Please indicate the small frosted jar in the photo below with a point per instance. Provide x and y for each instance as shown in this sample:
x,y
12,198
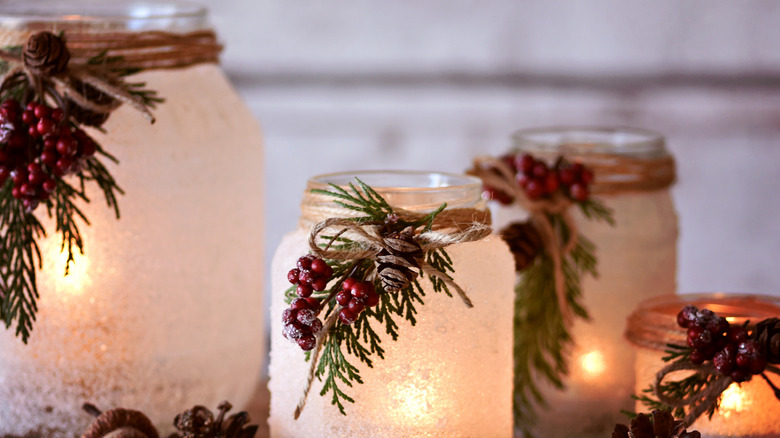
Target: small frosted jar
x,y
747,410
450,375
164,310
636,259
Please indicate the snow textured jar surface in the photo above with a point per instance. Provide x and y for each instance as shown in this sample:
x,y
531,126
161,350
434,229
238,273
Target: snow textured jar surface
x,y
450,375
637,258
164,310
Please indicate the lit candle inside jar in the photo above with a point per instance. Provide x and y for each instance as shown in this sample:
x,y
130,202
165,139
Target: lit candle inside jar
x,y
747,410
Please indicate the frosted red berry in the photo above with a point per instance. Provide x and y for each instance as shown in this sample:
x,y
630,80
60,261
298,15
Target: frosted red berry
x,y
355,305
303,290
347,316
292,276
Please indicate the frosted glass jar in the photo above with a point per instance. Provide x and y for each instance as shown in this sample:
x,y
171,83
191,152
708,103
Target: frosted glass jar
x,y
448,376
165,310
637,259
749,410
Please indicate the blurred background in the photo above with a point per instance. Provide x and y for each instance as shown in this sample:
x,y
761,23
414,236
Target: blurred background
x,y
345,85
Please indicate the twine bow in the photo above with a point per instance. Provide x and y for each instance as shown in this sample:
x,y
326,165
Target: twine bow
x,y
459,225
496,173
706,398
45,63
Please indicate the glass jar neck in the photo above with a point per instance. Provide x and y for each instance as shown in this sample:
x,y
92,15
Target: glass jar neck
x,y
584,141
408,190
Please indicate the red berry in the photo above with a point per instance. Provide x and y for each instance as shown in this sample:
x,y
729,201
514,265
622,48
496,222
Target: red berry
x,y
362,289
534,189
3,156
686,316
42,110
347,316
304,262
586,176
348,283
299,304
738,335
343,298
305,276
319,266
30,204
699,338
522,180
31,106
697,358
32,131
525,163
579,192
19,176
356,305
725,360
37,177
88,147
497,195
577,168
28,117
292,276
16,192
739,376
45,126
319,284
718,325
510,161
313,303
303,290
27,189
67,146
551,183
540,170
316,326
306,317
288,316
567,176
58,115
372,300
49,158
307,342
750,358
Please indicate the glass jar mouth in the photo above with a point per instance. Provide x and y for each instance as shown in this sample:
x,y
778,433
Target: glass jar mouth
x,y
132,15
586,140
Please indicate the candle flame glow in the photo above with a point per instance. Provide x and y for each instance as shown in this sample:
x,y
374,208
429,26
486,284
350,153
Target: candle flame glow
x,y
593,363
78,274
732,401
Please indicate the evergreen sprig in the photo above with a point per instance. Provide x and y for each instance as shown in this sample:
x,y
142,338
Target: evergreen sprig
x,y
345,346
541,335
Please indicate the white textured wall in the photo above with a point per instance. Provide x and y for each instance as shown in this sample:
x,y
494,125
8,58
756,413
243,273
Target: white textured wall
x,y
342,85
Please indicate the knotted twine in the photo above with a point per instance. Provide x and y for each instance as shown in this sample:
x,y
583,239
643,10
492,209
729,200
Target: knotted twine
x,y
706,398
451,226
496,173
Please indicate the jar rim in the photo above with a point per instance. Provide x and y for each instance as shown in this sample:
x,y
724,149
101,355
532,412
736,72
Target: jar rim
x,y
574,139
130,14
400,180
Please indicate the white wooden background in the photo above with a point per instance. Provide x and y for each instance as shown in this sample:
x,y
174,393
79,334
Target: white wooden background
x,y
345,85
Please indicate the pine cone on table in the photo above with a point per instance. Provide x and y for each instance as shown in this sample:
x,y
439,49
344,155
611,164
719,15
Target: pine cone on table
x,y
199,422
768,337
395,263
663,425
524,243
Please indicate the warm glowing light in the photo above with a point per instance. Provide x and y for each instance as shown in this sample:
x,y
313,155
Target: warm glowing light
x,y
733,400
414,403
78,274
593,363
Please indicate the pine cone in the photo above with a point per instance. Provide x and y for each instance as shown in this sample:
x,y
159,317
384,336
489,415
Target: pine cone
x,y
394,264
524,242
119,423
199,422
85,116
662,426
46,54
768,337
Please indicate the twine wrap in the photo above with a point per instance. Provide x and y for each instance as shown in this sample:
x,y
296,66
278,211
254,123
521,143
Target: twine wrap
x,y
496,173
452,226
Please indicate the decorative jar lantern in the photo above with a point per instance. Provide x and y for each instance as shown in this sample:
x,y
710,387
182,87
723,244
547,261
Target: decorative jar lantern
x,y
163,310
445,366
748,409
573,196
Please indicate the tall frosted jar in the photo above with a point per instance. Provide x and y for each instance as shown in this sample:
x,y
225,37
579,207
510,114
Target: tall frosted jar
x,y
450,375
637,258
164,310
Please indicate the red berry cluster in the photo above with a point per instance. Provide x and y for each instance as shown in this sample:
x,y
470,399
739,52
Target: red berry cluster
x,y
38,147
301,322
355,296
539,180
732,351
312,274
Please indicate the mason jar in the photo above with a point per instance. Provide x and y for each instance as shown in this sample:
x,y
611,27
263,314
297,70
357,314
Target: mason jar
x,y
637,259
450,375
749,409
164,309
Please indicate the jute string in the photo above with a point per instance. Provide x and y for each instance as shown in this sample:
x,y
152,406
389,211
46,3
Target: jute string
x,y
451,227
703,400
496,173
146,50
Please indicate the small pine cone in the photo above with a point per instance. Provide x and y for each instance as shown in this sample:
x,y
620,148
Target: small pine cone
x,y
119,423
524,242
46,54
199,422
662,426
396,262
86,116
768,337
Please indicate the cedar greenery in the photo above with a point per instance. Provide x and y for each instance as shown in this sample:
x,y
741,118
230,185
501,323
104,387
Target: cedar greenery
x,y
344,344
20,255
541,336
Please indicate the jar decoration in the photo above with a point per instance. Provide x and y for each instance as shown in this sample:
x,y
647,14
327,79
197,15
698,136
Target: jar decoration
x,y
711,360
372,338
572,197
160,308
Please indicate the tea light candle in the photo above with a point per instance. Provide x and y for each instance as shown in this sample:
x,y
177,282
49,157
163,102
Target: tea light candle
x,y
747,410
450,375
